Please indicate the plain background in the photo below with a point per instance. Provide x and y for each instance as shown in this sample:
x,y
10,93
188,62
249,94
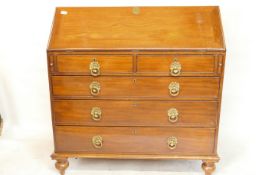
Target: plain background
x,y
26,142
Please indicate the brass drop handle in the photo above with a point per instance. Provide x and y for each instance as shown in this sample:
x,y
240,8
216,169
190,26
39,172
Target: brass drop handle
x,y
175,68
172,115
172,142
94,68
96,113
97,142
174,88
94,88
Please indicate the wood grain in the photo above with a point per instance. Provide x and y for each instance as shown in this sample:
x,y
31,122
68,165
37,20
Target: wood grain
x,y
209,166
109,64
210,157
118,28
192,65
148,87
143,140
135,52
135,113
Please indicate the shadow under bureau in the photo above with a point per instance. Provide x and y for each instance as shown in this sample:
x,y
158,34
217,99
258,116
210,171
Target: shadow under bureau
x,y
136,83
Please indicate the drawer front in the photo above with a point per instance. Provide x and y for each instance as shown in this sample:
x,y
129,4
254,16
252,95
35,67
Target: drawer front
x,y
189,65
135,113
107,64
147,87
138,140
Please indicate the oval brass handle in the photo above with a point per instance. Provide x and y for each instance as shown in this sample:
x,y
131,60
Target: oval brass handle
x,y
94,88
172,142
97,141
174,88
96,113
175,68
94,68
172,115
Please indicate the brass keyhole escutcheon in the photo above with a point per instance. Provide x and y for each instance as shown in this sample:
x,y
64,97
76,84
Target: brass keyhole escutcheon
x,y
96,113
172,142
97,142
94,68
134,132
136,10
94,88
174,88
172,115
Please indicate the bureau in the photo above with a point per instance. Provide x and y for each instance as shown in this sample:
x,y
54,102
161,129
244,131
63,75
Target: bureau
x,y
136,83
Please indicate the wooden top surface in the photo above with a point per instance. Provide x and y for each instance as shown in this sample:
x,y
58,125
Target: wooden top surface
x,y
126,28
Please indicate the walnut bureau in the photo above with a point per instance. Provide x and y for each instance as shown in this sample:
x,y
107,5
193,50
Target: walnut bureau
x,y
136,83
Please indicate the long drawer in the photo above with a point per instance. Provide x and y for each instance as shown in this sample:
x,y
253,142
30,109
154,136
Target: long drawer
x,y
135,113
147,87
138,140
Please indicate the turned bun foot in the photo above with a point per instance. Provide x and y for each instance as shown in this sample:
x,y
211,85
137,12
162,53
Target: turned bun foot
x,y
61,164
209,167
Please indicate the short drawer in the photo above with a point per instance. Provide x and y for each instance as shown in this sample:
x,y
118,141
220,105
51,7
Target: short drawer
x,y
147,87
177,65
139,140
135,113
94,64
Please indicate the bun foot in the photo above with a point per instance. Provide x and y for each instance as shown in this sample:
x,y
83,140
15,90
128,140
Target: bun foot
x,y
61,164
209,167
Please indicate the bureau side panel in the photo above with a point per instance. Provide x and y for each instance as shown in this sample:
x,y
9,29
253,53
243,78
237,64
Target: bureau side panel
x,y
50,66
222,59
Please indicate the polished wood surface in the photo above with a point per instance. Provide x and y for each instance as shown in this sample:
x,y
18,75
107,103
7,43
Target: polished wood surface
x,y
145,140
135,113
148,87
135,48
145,65
209,166
109,64
192,65
97,28
61,164
214,157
